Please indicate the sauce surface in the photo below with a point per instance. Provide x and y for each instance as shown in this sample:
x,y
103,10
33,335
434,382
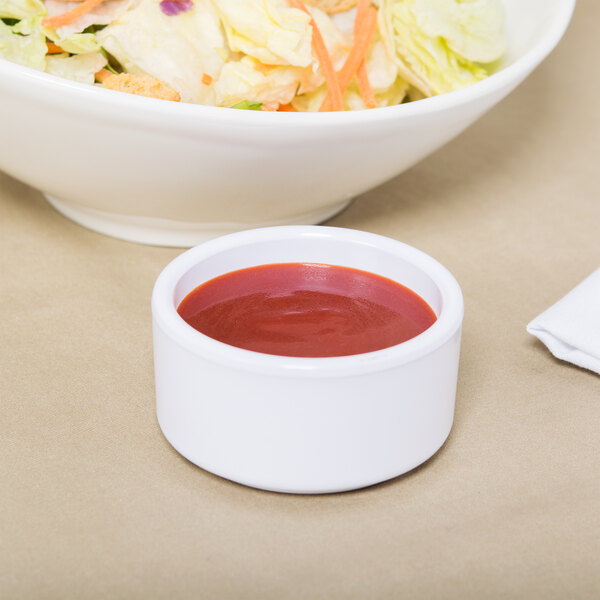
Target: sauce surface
x,y
308,310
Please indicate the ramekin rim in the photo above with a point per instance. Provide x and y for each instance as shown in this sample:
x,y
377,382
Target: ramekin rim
x,y
165,315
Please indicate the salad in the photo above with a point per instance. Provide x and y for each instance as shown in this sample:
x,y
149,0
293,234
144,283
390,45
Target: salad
x,y
287,55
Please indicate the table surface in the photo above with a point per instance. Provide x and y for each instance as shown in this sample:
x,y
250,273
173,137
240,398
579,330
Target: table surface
x,y
96,504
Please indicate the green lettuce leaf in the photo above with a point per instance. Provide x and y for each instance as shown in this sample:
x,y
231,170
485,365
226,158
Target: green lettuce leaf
x,y
27,50
76,43
248,105
79,67
443,45
473,29
21,9
245,80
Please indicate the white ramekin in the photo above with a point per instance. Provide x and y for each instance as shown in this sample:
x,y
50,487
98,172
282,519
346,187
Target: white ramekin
x,y
306,425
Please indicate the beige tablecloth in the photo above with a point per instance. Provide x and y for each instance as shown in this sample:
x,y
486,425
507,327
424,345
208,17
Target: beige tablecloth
x,y
94,503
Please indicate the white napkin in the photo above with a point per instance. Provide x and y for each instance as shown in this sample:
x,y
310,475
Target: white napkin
x,y
571,327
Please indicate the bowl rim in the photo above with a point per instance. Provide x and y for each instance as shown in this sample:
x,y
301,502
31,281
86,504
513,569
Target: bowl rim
x,y
165,315
186,115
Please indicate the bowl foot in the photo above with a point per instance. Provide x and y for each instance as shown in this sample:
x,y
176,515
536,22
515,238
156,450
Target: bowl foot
x,y
167,232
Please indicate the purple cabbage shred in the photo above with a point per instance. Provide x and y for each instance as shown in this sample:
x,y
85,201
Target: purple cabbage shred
x,y
174,7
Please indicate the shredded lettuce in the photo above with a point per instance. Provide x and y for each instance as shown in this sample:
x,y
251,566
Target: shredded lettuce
x,y
79,67
76,43
175,49
247,53
268,30
473,29
28,50
103,14
381,68
246,80
443,45
248,105
21,9
28,26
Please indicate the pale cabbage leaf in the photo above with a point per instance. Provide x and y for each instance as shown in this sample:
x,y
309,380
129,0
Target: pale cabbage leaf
x,y
27,50
247,79
79,67
179,50
21,9
76,43
443,45
269,30
103,14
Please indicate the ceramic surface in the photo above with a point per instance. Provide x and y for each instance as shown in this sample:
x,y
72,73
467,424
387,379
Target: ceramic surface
x,y
306,425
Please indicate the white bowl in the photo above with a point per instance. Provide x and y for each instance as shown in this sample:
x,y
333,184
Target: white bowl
x,y
176,174
306,425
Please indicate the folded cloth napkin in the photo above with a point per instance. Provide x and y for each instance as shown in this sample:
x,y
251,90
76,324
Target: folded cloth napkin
x,y
571,327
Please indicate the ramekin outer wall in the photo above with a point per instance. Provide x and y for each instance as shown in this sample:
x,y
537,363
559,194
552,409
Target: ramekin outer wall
x,y
303,434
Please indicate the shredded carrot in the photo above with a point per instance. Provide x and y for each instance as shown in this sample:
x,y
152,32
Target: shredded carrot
x,y
102,75
365,25
286,108
71,15
364,86
337,101
269,107
206,79
262,68
52,48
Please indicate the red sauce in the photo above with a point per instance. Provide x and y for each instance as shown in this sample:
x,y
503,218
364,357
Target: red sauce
x,y
313,310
